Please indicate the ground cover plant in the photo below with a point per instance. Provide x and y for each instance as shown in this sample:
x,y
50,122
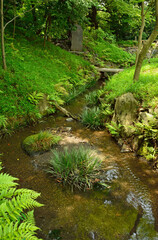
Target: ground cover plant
x,y
101,50
40,142
144,90
77,167
35,73
16,214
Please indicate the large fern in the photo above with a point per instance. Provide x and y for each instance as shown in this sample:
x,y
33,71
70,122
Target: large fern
x,y
16,217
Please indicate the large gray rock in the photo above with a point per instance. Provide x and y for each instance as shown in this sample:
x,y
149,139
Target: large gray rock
x,y
76,39
125,112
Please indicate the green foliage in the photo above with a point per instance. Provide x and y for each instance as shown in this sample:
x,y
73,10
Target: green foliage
x,y
35,97
92,117
106,110
105,51
92,99
40,142
114,128
3,121
34,72
148,135
16,216
77,167
145,90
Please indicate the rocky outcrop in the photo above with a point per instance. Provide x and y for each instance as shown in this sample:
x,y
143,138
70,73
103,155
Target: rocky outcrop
x,y
126,112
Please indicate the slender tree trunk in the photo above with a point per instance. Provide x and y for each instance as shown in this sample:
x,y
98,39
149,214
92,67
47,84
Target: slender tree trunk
x,y
45,32
94,17
14,24
2,38
146,46
140,32
49,26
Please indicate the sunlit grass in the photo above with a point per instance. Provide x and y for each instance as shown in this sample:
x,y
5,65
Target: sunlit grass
x,y
144,89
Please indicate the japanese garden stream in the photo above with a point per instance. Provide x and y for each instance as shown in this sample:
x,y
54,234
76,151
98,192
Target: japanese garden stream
x,y
126,210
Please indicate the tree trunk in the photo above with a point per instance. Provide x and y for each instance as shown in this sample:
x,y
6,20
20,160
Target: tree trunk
x,y
146,46
2,38
14,24
45,32
94,17
140,32
49,27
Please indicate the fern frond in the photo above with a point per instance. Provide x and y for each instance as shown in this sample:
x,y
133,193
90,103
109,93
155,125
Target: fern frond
x,y
14,231
15,222
7,181
6,193
11,209
30,217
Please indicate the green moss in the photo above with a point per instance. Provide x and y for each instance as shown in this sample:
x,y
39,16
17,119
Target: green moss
x,y
40,142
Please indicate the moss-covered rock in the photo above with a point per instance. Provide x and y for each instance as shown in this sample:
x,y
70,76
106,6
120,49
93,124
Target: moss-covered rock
x,y
40,142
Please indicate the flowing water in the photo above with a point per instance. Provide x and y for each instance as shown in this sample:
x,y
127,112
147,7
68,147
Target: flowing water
x,y
126,210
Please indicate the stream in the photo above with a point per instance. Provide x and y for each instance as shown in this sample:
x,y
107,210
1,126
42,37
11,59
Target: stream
x,y
128,209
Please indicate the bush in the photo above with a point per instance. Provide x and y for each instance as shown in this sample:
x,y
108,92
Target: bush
x,y
77,167
92,118
16,217
40,142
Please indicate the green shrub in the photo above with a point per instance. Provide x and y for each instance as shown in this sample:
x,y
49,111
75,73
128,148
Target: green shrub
x,y
115,129
92,117
77,167
16,217
40,142
148,136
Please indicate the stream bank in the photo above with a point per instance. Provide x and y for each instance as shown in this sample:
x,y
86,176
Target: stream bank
x,y
101,214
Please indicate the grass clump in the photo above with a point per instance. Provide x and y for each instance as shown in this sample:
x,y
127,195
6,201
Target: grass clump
x,y
40,142
92,117
92,99
77,167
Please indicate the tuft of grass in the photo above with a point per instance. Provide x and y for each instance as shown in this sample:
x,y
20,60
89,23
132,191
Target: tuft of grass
x,y
92,117
77,167
40,142
92,99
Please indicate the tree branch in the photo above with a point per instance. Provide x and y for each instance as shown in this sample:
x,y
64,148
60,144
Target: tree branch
x,y
17,17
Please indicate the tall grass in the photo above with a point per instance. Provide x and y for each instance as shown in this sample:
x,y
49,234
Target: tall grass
x,y
92,117
77,167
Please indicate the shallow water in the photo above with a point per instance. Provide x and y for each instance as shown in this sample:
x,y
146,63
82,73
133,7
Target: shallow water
x,y
127,210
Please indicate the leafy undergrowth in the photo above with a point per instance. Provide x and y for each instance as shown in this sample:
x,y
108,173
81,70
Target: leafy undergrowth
x,y
101,51
35,73
145,90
